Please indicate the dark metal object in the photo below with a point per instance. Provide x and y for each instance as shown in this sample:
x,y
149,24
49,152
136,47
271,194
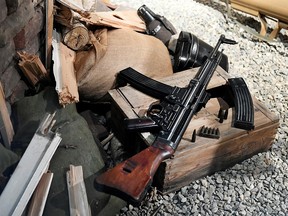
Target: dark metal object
x,y
193,136
156,25
244,109
222,115
192,52
209,132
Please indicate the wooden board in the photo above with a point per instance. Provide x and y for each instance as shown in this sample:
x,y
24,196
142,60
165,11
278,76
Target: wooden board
x,y
38,200
6,127
48,32
194,160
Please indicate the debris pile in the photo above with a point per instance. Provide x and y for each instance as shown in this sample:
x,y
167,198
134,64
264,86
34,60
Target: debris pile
x,y
59,137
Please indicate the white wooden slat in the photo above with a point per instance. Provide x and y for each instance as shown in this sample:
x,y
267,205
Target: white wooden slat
x,y
29,170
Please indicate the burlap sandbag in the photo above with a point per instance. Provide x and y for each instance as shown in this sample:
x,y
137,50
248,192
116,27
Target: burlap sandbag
x,y
113,51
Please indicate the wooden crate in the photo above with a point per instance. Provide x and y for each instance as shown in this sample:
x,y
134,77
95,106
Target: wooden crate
x,y
193,160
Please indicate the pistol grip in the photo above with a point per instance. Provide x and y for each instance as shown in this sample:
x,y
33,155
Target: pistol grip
x,y
244,109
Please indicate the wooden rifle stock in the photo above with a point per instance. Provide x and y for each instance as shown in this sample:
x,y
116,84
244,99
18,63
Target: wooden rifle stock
x,y
134,176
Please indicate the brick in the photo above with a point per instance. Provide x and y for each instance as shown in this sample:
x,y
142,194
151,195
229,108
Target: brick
x,y
33,46
15,22
3,10
10,79
26,37
39,3
20,40
18,92
35,24
6,55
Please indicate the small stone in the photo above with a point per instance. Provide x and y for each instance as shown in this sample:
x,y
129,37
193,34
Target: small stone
x,y
165,197
130,207
247,194
219,179
194,209
214,207
124,209
200,197
269,195
204,182
238,181
184,190
183,200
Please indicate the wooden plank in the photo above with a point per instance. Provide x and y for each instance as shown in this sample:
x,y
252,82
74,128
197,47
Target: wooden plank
x,y
79,6
6,128
193,160
77,193
29,170
127,19
40,195
116,18
64,72
49,30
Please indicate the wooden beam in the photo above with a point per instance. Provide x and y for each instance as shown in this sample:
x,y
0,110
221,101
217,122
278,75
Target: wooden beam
x,y
64,72
77,193
127,19
40,195
76,37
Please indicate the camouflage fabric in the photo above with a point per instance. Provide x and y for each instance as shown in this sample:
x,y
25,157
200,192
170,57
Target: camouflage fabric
x,y
7,158
77,147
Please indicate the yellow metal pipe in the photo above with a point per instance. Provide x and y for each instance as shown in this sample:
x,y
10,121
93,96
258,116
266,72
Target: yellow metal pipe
x,y
261,8
274,8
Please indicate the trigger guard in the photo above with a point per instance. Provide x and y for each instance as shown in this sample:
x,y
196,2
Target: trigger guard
x,y
155,109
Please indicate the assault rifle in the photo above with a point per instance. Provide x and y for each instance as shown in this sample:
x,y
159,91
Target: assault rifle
x,y
171,117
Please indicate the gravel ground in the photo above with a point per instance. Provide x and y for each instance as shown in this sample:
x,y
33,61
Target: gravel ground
x,y
259,185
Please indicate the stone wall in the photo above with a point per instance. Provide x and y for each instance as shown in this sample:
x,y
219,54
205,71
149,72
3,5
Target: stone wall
x,y
21,29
